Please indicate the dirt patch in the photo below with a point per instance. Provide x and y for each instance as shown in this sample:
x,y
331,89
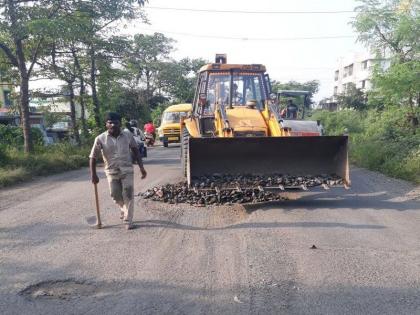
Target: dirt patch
x,y
59,289
191,216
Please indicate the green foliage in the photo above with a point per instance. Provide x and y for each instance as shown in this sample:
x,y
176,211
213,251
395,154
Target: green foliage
x,y
148,65
379,140
179,79
157,113
129,107
352,98
337,123
4,158
391,24
13,136
146,58
17,166
12,176
31,31
126,101
392,27
146,75
398,85
50,118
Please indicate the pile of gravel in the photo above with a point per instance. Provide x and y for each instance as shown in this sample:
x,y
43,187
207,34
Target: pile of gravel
x,y
218,189
181,193
266,181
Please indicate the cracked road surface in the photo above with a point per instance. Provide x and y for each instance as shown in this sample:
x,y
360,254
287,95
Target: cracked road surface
x,y
217,260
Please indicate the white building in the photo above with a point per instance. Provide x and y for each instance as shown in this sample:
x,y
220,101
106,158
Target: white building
x,y
356,68
6,103
56,103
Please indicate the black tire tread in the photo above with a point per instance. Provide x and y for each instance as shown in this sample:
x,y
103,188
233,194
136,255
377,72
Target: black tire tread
x,y
184,150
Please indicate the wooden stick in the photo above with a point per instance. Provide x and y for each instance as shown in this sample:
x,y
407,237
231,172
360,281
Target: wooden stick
x,y
98,215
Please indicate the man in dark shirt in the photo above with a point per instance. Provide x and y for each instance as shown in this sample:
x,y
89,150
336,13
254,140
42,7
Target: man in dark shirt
x,y
291,110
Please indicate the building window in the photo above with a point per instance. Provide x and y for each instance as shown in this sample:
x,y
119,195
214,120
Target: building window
x,y
363,84
7,100
335,90
364,65
336,75
350,70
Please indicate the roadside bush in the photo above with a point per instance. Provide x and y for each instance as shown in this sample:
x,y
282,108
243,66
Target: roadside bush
x,y
11,176
4,158
45,160
335,123
13,136
379,140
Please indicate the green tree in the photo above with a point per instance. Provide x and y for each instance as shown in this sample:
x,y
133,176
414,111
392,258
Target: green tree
x,y
27,26
146,59
390,25
100,15
60,63
392,28
178,79
24,29
353,98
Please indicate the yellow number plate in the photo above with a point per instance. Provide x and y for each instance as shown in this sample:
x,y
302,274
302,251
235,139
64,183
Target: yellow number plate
x,y
173,138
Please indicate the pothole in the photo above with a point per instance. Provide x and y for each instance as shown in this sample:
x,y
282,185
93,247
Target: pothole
x,y
59,289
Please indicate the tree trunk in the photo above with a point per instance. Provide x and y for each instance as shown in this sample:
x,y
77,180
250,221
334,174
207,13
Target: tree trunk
x,y
148,84
82,92
82,107
73,114
20,62
24,97
24,105
412,116
93,84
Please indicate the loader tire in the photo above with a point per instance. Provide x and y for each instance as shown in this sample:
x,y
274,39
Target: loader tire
x,y
184,151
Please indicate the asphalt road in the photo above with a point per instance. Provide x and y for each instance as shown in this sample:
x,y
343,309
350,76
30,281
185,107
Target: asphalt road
x,y
216,260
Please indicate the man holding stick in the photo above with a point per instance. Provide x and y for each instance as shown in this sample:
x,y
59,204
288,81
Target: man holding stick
x,y
116,146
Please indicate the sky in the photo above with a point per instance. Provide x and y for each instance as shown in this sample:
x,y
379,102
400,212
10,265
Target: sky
x,y
288,44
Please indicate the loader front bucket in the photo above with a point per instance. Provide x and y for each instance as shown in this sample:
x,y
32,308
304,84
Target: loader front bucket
x,y
296,156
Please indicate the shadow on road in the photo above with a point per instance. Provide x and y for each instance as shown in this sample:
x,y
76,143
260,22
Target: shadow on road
x,y
255,225
36,234
163,161
346,201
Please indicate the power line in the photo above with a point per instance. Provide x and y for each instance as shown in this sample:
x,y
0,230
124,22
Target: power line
x,y
251,12
252,38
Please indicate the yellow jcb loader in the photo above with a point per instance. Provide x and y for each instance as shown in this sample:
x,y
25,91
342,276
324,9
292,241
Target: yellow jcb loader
x,y
236,128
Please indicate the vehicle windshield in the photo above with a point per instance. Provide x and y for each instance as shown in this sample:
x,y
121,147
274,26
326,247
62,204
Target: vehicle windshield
x,y
173,117
246,87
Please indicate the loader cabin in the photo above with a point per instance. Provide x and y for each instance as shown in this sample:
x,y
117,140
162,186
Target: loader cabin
x,y
298,126
229,86
301,98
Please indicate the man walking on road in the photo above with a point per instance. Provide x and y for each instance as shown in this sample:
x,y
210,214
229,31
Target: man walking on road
x,y
115,146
